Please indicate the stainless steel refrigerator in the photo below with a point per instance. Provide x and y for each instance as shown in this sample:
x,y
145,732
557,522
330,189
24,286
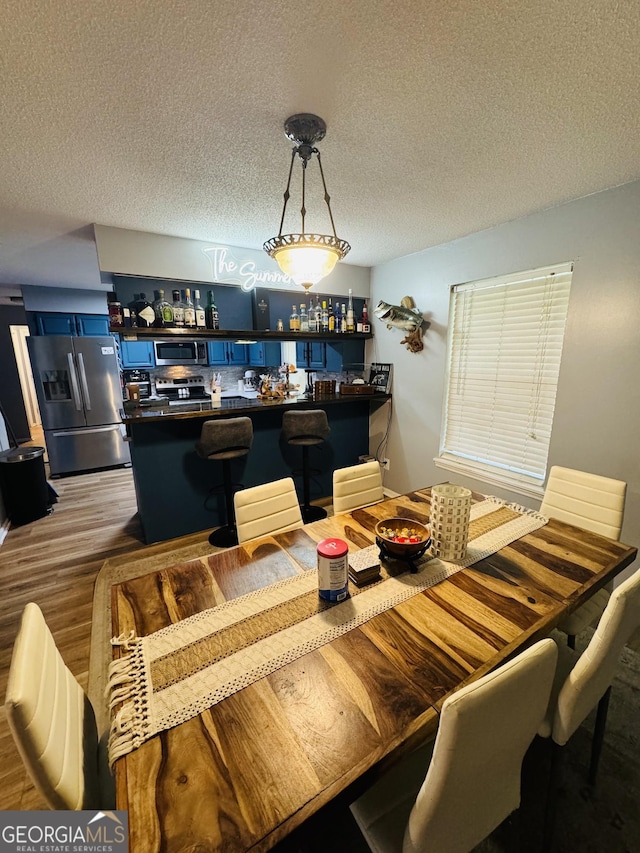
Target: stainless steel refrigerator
x,y
77,381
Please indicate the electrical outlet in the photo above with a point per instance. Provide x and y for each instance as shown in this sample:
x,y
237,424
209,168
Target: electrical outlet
x,y
386,464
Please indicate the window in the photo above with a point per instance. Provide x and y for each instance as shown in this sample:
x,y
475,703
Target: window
x,y
504,349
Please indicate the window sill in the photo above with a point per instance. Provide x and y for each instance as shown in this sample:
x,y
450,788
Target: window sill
x,y
495,477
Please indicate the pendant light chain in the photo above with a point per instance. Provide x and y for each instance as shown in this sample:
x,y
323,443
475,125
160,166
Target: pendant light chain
x,y
306,257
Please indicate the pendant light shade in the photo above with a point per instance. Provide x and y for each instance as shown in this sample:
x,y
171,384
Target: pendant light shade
x,y
306,257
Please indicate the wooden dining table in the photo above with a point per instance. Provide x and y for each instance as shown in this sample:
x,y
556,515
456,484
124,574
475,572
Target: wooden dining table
x,y
246,772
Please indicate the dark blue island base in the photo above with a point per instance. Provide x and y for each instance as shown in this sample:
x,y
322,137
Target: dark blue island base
x,y
174,485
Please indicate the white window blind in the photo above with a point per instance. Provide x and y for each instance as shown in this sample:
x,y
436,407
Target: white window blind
x,y
505,345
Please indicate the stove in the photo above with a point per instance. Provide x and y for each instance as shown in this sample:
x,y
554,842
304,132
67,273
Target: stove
x,y
185,389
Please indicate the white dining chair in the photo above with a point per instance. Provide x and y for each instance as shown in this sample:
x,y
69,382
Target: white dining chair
x,y
583,681
472,783
357,486
53,723
268,508
594,503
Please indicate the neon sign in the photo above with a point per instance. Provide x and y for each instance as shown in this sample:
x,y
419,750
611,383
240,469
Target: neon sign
x,y
228,269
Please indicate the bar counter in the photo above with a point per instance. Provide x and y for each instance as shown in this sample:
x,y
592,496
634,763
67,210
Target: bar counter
x,y
172,482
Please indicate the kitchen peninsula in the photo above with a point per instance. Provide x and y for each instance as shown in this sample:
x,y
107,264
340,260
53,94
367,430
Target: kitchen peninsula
x,y
173,484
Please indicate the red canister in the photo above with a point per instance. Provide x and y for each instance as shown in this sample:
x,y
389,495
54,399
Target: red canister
x,y
333,569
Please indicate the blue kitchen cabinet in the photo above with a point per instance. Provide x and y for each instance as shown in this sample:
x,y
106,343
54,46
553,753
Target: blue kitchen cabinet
x,y
341,354
265,354
55,323
238,353
227,353
137,354
50,323
311,354
92,324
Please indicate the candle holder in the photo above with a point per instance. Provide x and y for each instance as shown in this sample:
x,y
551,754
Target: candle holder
x,y
450,510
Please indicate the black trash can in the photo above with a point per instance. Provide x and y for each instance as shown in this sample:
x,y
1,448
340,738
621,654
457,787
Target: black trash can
x,y
23,484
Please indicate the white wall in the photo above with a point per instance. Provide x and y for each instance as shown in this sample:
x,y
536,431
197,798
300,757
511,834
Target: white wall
x,y
163,256
597,418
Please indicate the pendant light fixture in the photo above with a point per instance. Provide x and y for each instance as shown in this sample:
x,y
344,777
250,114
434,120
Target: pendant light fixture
x,y
306,257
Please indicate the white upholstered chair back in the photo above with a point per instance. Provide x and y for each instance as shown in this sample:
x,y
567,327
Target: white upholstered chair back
x,y
269,508
473,780
52,721
591,675
585,500
594,503
357,486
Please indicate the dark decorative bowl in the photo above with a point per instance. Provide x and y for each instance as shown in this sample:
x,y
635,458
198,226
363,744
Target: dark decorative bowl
x,y
390,527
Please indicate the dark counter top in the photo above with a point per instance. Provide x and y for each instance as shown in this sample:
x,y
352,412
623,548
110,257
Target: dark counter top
x,y
237,406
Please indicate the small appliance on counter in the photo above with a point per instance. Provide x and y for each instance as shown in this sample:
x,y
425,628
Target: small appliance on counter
x,y
141,378
251,381
182,389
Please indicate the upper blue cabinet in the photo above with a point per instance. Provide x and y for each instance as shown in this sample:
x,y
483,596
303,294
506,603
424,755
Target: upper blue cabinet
x,y
226,353
53,323
137,353
265,354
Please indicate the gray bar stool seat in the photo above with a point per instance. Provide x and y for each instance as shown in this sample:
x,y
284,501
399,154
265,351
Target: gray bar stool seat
x,y
221,441
306,428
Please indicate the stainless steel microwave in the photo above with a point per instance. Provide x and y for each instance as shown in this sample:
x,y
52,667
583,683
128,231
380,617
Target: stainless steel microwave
x,y
180,352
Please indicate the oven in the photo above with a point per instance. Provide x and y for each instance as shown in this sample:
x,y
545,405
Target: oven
x,y
181,390
175,352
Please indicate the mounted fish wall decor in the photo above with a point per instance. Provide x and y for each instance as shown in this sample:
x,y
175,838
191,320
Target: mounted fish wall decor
x,y
405,317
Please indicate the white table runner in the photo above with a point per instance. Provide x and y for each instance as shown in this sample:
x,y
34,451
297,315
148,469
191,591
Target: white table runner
x,y
179,671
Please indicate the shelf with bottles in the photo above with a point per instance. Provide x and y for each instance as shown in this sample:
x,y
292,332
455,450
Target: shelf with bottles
x,y
246,335
229,306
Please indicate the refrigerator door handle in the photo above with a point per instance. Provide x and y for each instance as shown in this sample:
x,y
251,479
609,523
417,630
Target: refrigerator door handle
x,y
75,390
83,380
63,433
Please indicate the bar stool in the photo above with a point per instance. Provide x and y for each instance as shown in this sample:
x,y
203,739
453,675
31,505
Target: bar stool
x,y
306,428
221,441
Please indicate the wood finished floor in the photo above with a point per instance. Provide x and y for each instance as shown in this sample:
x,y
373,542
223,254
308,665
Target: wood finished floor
x,y
54,562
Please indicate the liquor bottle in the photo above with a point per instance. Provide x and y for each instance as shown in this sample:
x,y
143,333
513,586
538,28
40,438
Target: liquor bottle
x,y
358,323
178,310
145,315
343,319
132,309
114,309
163,311
331,319
313,316
324,317
200,318
189,310
318,315
351,326
294,320
366,326
211,317
304,318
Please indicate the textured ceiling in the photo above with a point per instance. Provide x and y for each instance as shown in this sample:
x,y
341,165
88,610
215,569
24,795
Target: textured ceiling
x,y
444,118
